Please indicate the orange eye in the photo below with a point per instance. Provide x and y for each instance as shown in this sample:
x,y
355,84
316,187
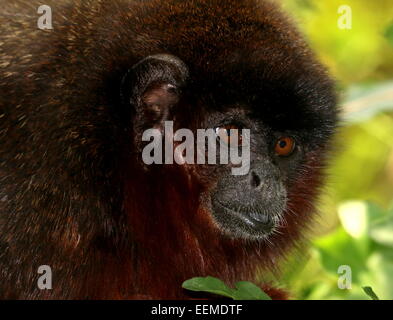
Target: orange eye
x,y
284,146
228,134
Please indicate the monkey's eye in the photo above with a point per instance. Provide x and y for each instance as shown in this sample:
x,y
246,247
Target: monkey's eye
x,y
230,134
284,146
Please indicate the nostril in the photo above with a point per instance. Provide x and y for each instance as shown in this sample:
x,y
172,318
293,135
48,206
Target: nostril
x,y
255,180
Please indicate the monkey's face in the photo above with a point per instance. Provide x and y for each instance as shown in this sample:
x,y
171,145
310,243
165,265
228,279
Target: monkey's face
x,y
251,203
277,133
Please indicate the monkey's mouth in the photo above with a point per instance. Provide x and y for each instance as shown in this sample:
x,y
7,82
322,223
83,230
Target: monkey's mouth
x,y
250,224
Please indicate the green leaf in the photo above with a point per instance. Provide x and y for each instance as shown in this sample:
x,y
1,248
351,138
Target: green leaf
x,y
381,229
369,291
382,232
380,271
339,248
244,290
249,291
208,284
375,212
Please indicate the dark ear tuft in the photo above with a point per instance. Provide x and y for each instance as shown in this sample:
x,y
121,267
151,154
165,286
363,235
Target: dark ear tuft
x,y
153,86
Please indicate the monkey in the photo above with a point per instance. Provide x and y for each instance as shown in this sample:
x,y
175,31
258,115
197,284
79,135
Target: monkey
x,y
75,100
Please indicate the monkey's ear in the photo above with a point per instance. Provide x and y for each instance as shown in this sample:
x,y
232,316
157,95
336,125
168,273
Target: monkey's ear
x,y
153,86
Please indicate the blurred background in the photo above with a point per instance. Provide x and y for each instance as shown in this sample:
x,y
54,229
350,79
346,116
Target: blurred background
x,y
355,225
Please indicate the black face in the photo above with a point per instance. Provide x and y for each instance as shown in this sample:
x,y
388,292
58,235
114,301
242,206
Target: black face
x,y
252,205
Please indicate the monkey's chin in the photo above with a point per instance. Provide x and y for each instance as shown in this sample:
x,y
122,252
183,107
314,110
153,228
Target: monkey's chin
x,y
244,225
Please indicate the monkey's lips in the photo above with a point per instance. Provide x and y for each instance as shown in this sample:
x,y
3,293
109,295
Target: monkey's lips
x,y
244,224
258,220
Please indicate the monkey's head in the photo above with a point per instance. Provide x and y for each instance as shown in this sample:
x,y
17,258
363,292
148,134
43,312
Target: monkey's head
x,y
286,103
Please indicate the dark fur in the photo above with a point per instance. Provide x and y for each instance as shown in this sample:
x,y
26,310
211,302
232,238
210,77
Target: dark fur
x,y
71,193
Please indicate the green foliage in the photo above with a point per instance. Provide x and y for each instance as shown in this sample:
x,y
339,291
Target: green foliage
x,y
353,55
361,241
243,290
357,233
369,291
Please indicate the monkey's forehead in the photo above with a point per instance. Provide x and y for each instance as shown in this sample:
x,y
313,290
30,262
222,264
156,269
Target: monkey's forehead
x,y
244,47
204,31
